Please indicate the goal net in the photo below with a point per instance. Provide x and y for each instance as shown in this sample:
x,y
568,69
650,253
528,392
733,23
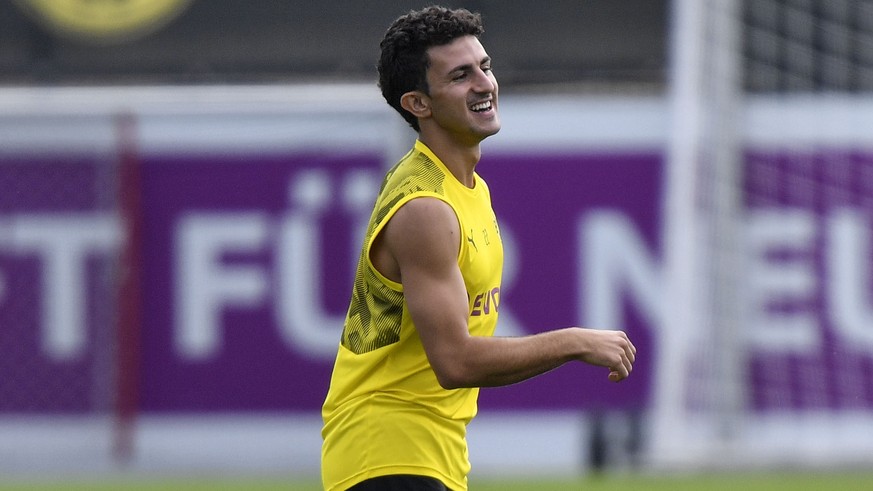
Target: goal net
x,y
766,356
68,292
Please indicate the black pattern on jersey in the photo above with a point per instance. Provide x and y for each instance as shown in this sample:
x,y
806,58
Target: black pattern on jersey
x,y
376,311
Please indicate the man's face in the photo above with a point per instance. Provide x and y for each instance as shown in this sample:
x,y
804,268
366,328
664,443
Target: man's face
x,y
463,90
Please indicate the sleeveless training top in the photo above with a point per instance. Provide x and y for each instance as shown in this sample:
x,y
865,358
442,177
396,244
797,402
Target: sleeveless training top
x,y
385,413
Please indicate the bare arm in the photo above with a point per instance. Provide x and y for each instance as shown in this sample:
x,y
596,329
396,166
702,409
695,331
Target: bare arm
x,y
419,248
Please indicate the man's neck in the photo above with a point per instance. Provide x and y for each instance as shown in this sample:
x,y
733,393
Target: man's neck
x,y
461,160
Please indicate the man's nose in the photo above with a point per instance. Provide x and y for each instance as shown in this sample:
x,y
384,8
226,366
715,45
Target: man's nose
x,y
484,82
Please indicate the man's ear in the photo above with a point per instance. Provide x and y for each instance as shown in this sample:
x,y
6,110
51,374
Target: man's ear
x,y
417,103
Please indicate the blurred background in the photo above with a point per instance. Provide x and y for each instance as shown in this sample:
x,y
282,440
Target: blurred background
x,y
183,186
237,42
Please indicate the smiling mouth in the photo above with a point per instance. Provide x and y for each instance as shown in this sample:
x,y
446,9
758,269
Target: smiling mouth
x,y
481,107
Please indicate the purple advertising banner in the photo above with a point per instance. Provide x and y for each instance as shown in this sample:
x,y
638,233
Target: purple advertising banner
x,y
545,204
248,275
239,337
808,286
248,264
57,238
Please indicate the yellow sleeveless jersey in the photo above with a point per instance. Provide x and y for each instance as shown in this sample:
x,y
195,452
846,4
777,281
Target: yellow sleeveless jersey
x,y
385,413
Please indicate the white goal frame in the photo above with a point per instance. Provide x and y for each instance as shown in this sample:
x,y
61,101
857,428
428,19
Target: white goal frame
x,y
702,339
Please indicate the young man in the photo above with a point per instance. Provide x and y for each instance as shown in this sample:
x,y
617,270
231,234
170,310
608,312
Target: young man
x,y
417,343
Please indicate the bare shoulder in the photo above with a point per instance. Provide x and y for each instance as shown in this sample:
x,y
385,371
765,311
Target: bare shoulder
x,y
425,215
423,229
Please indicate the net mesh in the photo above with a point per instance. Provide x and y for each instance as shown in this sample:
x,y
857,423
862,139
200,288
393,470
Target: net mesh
x,y
814,58
778,356
57,283
808,45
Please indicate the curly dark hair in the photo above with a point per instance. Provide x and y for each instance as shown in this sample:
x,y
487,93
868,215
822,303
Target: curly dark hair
x,y
403,63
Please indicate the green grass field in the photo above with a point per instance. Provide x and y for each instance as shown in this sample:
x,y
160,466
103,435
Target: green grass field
x,y
800,481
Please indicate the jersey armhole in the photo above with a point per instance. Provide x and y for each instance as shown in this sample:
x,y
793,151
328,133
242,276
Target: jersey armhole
x,y
372,267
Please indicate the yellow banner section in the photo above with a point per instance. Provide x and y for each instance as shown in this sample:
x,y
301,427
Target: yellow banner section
x,y
104,20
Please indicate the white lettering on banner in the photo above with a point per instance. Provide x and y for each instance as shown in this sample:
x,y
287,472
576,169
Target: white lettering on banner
x,y
781,282
616,262
791,279
204,285
62,243
779,245
849,285
302,318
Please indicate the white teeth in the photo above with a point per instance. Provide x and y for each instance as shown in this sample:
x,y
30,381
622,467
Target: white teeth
x,y
482,106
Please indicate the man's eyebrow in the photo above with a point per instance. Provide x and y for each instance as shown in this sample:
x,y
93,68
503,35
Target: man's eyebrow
x,y
467,66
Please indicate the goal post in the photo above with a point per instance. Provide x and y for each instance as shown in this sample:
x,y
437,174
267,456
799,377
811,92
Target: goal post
x,y
765,354
699,350
128,325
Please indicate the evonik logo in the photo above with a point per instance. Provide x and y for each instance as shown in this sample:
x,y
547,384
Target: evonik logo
x,y
484,303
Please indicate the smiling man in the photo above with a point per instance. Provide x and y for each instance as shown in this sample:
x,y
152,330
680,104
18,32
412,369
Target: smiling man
x,y
418,338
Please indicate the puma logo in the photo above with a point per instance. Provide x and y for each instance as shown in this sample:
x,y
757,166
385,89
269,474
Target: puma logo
x,y
470,240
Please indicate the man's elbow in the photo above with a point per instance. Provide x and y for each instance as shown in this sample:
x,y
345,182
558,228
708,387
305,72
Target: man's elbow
x,y
454,377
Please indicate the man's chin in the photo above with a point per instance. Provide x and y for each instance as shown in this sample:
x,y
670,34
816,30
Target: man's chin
x,y
491,132
491,128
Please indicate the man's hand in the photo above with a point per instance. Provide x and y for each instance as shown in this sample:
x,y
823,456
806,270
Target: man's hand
x,y
610,349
